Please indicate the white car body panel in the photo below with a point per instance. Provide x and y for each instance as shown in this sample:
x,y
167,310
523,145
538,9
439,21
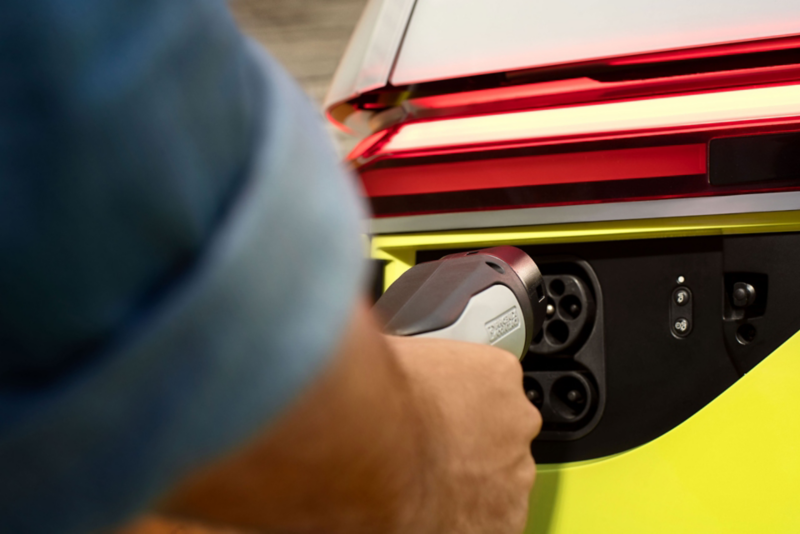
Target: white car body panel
x,y
456,38
371,53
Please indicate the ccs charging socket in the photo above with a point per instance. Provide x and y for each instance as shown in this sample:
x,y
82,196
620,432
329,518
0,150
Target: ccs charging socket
x,y
565,367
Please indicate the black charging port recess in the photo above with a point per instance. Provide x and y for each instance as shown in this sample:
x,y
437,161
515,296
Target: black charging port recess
x,y
754,158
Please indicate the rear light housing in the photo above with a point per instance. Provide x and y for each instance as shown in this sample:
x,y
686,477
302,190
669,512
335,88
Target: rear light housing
x,y
645,131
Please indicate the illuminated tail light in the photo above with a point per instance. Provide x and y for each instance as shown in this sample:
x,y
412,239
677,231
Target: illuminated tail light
x,y
636,149
641,116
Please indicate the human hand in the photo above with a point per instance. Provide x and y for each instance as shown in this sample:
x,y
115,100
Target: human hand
x,y
480,426
398,435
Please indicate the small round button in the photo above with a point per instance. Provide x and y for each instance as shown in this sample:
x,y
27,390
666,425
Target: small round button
x,y
681,297
739,294
743,295
681,326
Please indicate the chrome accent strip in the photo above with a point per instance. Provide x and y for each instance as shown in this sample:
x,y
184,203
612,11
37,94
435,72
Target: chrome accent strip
x,y
614,211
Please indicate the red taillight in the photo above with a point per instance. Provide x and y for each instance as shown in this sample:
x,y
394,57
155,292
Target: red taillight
x,y
537,170
641,117
747,47
634,149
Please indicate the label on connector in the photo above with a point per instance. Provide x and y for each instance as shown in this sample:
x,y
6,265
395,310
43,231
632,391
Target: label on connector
x,y
502,325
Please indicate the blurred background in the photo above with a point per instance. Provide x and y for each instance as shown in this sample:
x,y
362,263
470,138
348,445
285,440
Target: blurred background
x,y
308,37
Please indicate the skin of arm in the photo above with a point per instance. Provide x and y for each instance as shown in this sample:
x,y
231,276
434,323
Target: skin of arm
x,y
398,435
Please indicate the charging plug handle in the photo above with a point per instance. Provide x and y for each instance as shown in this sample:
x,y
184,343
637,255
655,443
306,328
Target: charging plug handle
x,y
432,296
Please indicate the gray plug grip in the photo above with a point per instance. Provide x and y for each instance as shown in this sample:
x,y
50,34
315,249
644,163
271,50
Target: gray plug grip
x,y
493,296
505,327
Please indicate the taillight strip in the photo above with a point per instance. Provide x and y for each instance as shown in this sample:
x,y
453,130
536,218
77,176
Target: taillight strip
x,y
550,169
636,115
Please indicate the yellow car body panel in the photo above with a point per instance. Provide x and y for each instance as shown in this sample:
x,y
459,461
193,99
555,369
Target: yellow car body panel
x,y
733,467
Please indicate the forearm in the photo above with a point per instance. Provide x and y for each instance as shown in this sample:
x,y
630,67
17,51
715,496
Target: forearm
x,y
399,435
350,456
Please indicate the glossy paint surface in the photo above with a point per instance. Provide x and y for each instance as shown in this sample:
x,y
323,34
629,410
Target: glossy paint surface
x,y
454,38
731,468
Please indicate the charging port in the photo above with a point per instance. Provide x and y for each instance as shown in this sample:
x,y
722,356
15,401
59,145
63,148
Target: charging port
x,y
565,366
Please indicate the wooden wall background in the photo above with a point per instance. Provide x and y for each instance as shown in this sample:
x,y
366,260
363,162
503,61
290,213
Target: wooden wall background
x,y
307,36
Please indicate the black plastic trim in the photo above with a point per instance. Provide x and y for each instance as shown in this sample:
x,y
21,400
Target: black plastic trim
x,y
754,159
648,381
